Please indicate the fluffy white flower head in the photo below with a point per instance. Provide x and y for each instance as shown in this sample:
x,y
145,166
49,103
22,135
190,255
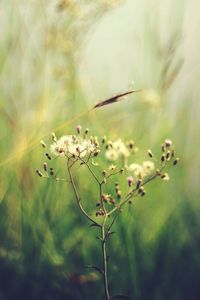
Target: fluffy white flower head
x,y
72,146
117,150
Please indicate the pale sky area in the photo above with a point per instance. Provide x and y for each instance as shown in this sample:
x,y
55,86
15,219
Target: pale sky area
x,y
117,51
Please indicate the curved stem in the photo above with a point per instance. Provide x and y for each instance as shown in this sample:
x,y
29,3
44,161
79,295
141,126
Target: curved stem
x,y
78,198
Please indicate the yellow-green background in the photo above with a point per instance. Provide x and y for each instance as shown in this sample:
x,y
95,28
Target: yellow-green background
x,y
55,63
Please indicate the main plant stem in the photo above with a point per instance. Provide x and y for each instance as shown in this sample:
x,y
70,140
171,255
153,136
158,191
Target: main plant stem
x,y
105,266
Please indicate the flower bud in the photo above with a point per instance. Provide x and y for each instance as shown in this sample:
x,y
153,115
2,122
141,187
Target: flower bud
x,y
163,158
48,156
176,161
168,143
43,144
54,138
39,173
150,153
130,181
45,166
78,129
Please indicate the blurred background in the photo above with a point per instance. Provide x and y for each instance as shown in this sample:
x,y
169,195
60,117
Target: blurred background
x,y
57,59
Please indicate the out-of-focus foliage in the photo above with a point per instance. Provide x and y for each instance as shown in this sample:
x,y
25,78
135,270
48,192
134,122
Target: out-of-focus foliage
x,y
45,243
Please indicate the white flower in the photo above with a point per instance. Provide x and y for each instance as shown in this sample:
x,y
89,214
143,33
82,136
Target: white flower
x,y
117,150
143,170
148,167
111,154
70,145
136,169
121,148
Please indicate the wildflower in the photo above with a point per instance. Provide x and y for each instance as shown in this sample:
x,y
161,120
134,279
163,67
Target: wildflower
x,y
116,150
136,169
111,154
148,167
73,146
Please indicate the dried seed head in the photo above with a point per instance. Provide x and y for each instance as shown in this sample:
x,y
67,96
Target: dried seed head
x,y
39,173
43,144
150,153
176,161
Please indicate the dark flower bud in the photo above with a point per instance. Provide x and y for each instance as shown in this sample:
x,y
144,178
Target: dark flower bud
x,y
48,156
150,153
163,158
39,173
45,166
176,161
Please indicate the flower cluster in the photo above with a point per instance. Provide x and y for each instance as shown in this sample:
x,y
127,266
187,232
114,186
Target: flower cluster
x,y
118,149
143,169
73,146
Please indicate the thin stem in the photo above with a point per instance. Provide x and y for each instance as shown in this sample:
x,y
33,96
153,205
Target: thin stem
x,y
105,266
78,197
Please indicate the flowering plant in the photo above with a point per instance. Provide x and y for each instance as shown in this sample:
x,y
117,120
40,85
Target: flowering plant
x,y
84,150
